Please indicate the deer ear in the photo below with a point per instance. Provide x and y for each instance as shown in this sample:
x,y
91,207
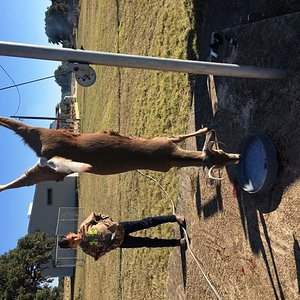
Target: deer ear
x,y
63,165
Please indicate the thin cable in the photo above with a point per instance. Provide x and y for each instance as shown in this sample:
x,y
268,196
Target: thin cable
x,y
19,104
199,265
24,83
186,237
162,188
27,82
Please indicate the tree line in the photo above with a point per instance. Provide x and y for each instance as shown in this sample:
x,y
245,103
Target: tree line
x,y
21,269
60,20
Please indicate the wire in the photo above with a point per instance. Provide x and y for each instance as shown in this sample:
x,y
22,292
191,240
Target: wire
x,y
24,83
186,237
19,103
161,187
31,81
199,265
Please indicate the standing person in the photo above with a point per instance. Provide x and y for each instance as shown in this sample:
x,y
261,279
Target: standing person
x,y
99,234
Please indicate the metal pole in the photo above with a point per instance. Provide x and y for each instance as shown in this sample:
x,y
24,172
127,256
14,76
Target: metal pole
x,y
45,118
139,62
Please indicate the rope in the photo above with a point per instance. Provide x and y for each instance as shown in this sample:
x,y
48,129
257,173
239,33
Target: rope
x,y
185,235
199,265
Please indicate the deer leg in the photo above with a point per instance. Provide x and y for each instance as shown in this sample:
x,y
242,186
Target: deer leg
x,y
33,176
30,135
13,125
181,138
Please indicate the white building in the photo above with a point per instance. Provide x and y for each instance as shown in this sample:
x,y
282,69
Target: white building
x,y
49,196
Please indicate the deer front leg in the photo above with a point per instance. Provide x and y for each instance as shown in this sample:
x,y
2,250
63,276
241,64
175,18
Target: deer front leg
x,y
181,138
33,176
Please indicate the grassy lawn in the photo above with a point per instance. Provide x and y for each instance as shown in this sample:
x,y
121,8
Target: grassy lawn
x,y
140,102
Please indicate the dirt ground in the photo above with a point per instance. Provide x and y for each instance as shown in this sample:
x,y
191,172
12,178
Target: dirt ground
x,y
246,243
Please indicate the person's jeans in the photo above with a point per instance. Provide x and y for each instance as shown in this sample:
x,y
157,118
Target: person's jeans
x,y
138,242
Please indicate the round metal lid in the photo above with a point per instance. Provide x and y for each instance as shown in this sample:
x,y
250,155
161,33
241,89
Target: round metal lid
x,y
257,170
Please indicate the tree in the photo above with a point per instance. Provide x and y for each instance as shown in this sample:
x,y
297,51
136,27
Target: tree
x,y
21,269
57,27
48,293
63,77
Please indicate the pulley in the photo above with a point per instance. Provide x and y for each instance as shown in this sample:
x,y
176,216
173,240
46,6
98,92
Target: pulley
x,y
85,75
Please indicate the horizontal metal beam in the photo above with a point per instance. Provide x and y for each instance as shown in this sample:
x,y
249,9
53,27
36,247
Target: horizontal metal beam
x,y
139,62
45,118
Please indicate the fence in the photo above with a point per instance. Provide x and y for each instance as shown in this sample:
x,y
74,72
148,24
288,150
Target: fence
x,y
69,218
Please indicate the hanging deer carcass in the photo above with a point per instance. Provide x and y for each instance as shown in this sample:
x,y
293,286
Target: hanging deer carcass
x,y
62,153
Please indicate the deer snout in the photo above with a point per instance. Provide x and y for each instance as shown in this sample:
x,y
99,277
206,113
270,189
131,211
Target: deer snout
x,y
234,158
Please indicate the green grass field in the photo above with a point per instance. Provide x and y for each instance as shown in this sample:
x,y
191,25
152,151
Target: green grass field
x,y
140,102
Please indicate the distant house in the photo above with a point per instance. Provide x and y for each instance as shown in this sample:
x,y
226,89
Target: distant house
x,y
43,212
66,112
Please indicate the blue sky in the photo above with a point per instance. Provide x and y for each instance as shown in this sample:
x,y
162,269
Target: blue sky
x,y
22,22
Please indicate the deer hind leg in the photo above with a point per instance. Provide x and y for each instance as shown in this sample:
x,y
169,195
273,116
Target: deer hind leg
x,y
181,138
13,125
19,128
30,135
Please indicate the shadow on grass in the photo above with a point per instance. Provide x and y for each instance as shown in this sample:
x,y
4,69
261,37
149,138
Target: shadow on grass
x,y
297,260
198,198
183,260
215,205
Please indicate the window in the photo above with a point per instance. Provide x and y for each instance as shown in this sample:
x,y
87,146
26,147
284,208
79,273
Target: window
x,y
49,196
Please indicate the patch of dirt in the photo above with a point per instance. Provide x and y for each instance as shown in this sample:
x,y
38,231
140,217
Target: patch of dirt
x,y
247,243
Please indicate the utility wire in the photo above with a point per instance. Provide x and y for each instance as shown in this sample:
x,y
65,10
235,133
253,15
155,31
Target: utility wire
x,y
19,103
28,82
24,83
